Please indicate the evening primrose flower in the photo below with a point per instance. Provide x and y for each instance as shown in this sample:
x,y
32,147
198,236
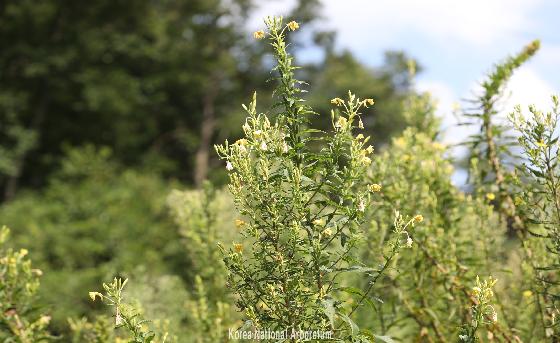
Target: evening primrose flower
x,y
259,34
93,295
238,247
528,293
292,26
541,144
319,222
337,101
374,188
45,320
418,218
341,122
490,196
369,102
239,223
229,166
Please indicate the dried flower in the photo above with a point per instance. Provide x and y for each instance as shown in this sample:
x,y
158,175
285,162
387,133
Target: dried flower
x,y
374,188
259,34
361,206
418,218
409,242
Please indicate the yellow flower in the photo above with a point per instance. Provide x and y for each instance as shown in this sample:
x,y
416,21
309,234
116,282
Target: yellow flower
x,y
374,188
541,144
92,295
239,223
369,102
292,26
319,222
527,293
258,34
238,247
327,232
337,101
490,196
45,320
418,218
23,252
341,122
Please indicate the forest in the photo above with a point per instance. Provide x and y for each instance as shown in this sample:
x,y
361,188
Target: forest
x,y
167,175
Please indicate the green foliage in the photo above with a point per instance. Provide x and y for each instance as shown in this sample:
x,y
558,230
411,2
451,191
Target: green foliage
x,y
20,319
538,137
94,221
415,175
204,218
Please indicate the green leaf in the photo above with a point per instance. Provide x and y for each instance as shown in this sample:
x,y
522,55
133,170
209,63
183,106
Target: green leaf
x,y
328,308
354,329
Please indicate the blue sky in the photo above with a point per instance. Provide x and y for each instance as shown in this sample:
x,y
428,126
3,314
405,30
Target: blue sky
x,y
456,41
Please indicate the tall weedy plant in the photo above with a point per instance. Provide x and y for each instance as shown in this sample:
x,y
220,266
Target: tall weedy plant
x,y
540,203
302,208
20,320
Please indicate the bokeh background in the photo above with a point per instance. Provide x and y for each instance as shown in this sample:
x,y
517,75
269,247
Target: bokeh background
x,y
106,106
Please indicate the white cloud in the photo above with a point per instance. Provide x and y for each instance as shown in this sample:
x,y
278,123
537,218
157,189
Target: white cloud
x,y
526,87
360,22
475,21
